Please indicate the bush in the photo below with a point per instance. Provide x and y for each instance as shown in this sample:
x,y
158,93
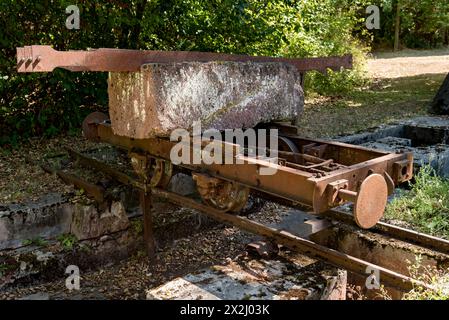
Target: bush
x,y
327,28
424,23
426,206
47,104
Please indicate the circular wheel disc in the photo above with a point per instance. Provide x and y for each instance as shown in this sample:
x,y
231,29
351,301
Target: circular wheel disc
x,y
234,201
371,201
89,132
285,144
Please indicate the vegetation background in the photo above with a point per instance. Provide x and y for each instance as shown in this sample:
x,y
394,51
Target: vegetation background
x,y
48,104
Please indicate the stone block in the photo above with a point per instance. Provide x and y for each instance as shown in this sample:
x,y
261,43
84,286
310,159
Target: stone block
x,y
88,222
221,95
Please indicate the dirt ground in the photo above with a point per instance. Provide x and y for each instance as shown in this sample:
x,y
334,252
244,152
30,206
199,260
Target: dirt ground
x,y
408,63
402,87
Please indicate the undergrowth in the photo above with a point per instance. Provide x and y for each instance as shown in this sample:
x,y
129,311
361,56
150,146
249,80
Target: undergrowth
x,y
426,206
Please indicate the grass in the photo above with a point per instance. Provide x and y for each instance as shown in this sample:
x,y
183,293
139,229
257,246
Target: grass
x,y
39,242
437,279
426,206
3,268
381,102
67,241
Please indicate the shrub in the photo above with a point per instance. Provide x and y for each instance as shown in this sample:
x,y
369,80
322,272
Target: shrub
x,y
426,206
47,104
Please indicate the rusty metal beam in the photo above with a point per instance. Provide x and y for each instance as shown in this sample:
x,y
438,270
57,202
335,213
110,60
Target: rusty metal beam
x,y
38,58
103,167
95,191
148,236
396,232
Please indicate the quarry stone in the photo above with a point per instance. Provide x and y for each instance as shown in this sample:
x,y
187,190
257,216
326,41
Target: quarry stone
x,y
90,222
221,95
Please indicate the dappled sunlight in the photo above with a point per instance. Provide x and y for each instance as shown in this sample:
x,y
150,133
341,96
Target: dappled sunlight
x,y
384,101
398,65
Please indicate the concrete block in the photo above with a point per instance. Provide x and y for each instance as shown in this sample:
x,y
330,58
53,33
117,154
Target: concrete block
x,y
48,217
88,222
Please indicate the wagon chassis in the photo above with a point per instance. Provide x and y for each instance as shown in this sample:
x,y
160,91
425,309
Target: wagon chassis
x,y
320,174
337,179
315,174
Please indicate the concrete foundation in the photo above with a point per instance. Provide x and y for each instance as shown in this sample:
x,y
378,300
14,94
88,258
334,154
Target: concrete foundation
x,y
426,137
255,279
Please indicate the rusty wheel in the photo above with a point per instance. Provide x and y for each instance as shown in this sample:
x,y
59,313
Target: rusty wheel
x,y
155,171
89,131
161,173
220,194
371,201
285,144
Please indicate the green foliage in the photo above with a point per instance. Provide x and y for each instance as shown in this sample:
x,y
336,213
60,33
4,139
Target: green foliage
x,y
426,206
327,28
430,275
39,242
67,241
424,23
4,268
137,227
49,103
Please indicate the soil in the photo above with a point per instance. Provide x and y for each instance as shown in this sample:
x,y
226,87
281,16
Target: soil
x,y
408,63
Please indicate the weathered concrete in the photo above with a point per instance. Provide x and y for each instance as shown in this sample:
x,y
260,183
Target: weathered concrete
x,y
48,260
381,250
250,279
35,263
426,137
89,222
48,217
222,95
53,215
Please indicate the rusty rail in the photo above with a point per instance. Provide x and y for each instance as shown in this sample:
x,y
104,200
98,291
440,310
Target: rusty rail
x,y
39,58
307,247
420,239
95,191
304,246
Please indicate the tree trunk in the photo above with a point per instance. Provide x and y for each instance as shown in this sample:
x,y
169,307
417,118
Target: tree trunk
x,y
440,104
397,25
446,36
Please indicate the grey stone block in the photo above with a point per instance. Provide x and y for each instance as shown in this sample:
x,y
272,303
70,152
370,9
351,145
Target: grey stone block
x,y
222,95
89,222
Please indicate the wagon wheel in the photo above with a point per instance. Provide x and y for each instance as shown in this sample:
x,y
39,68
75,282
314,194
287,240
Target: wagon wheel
x,y
285,144
220,194
157,172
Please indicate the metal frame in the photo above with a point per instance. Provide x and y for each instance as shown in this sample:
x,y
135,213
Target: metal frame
x,y
318,186
316,173
38,58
